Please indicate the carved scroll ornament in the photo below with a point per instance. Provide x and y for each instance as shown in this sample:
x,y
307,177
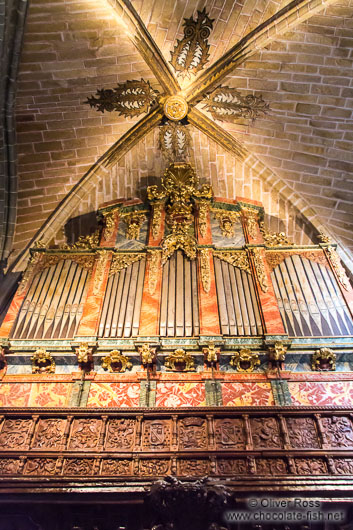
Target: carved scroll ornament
x,y
205,269
323,360
236,258
42,362
180,361
245,360
122,261
115,361
339,270
260,269
226,219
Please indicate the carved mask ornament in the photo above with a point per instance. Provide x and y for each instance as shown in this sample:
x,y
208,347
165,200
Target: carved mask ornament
x,y
245,361
42,362
116,362
324,360
180,361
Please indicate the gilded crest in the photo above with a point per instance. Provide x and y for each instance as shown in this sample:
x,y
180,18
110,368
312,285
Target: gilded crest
x,y
180,361
245,360
323,360
116,362
42,362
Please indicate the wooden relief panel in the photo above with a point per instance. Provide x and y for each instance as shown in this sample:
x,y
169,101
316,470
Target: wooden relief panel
x,y
156,434
271,466
337,431
40,466
310,466
85,434
230,434
191,467
155,467
309,299
120,434
265,433
78,466
53,306
14,433
115,466
192,433
9,466
231,466
49,433
302,433
343,466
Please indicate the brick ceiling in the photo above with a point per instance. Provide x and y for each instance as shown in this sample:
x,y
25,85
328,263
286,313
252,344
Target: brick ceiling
x,y
299,159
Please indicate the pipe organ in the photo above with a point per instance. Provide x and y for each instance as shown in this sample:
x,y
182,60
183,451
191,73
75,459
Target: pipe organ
x,y
179,337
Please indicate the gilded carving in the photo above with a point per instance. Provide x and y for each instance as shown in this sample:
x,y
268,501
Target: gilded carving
x,y
191,52
260,269
42,362
228,104
236,258
156,434
134,221
192,433
122,261
339,270
302,433
277,353
312,466
157,218
120,434
49,433
180,361
337,431
227,220
78,466
324,238
244,360
175,108
265,433
129,99
40,466
271,466
203,207
274,258
86,261
84,353
179,239
101,264
274,239
323,360
114,466
147,354
231,466
115,361
154,467
85,433
14,433
9,466
205,269
29,272
229,433
211,354
109,224
84,242
154,265
251,217
192,466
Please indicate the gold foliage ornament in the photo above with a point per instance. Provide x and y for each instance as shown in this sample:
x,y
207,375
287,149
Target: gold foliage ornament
x,y
277,353
147,355
339,270
236,258
154,263
191,53
323,360
180,361
260,269
116,362
174,141
227,104
128,99
84,242
245,360
205,269
211,354
42,362
122,261
274,239
134,221
226,219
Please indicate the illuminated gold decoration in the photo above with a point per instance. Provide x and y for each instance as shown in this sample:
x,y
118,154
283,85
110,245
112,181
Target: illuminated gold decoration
x,y
236,258
157,218
274,239
180,190
211,354
109,223
323,360
174,141
84,353
245,360
324,238
29,272
101,263
154,264
86,261
42,362
203,207
205,269
180,361
39,244
260,269
277,352
116,362
175,108
274,258
227,219
122,261
129,99
251,216
84,242
339,270
228,104
147,354
134,221
191,52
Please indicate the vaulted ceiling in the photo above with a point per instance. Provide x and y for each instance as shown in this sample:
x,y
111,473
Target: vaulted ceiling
x,y
297,158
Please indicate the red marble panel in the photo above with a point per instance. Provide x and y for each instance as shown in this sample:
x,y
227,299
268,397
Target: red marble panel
x,y
11,314
322,393
114,395
180,395
208,304
150,307
244,394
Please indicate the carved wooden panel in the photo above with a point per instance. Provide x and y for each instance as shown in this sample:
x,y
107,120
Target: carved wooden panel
x,y
154,467
120,434
231,466
271,466
302,433
49,433
191,467
343,466
265,433
310,466
9,466
78,466
192,433
116,466
337,431
229,433
40,466
14,433
85,433
156,435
